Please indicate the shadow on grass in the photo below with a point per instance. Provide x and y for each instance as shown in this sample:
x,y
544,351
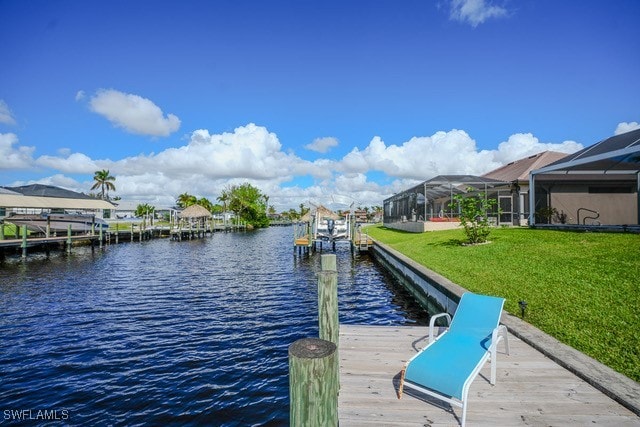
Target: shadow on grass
x,y
459,243
452,243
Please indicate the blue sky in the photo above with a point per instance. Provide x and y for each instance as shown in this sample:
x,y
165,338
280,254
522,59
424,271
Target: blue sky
x,y
305,99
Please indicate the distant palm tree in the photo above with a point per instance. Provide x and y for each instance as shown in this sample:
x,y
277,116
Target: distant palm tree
x,y
205,203
104,181
145,210
224,197
185,200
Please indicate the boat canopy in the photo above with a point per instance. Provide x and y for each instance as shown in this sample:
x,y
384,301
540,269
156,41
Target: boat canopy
x,y
36,202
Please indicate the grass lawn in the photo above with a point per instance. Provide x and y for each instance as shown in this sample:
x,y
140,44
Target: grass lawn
x,y
581,288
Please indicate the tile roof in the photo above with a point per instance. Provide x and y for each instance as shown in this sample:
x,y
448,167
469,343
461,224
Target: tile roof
x,y
519,169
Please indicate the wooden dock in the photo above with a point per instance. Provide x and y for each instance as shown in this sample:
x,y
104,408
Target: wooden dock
x,y
361,242
530,389
38,241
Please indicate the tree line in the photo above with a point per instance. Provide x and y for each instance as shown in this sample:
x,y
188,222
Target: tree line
x,y
246,202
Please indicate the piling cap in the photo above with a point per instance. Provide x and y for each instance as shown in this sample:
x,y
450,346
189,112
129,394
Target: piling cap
x,y
312,348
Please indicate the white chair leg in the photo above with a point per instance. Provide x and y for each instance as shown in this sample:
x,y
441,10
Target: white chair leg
x,y
464,412
503,332
494,363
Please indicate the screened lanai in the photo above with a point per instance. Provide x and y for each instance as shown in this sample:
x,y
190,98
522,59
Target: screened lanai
x,y
598,185
432,199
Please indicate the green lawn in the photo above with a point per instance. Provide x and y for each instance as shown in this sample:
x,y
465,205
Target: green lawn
x,y
582,288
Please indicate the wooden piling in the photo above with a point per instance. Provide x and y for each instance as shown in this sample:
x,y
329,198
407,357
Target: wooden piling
x,y
24,241
69,238
313,385
328,262
328,299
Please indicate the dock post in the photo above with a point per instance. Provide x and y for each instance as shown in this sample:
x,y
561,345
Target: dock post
x,y
24,242
100,237
1,230
313,386
69,239
131,232
328,299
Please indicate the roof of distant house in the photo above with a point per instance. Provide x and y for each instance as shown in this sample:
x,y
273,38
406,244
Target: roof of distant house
x,y
39,196
4,190
519,170
42,190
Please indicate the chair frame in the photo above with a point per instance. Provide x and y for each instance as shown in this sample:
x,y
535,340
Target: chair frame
x,y
498,334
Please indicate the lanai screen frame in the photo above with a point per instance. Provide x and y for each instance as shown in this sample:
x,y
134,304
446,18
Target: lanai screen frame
x,y
617,156
444,185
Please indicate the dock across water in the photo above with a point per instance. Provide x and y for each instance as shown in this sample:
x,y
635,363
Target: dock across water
x,y
531,389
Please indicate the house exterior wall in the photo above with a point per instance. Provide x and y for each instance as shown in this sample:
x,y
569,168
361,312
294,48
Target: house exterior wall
x,y
421,226
613,208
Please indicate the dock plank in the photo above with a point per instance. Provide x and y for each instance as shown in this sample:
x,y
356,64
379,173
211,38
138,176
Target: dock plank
x,y
531,389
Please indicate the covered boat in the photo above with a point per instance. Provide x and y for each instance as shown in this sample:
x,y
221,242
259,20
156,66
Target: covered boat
x,y
330,226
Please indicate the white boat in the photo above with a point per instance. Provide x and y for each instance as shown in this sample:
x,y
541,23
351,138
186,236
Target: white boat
x,y
59,223
332,229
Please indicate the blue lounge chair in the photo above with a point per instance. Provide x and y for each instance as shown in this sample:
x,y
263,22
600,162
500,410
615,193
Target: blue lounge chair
x,y
447,366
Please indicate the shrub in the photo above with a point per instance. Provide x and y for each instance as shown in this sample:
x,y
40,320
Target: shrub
x,y
473,216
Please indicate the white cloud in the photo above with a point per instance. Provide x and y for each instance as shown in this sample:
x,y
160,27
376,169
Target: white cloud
x,y
444,153
475,12
14,158
625,127
207,163
75,163
133,113
250,152
521,145
420,158
80,95
6,116
322,145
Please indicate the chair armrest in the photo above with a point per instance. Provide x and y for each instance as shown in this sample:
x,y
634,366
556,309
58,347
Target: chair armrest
x,y
498,334
432,323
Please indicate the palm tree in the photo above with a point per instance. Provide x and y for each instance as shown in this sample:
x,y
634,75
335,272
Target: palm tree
x,y
104,181
303,210
185,200
205,203
145,210
224,198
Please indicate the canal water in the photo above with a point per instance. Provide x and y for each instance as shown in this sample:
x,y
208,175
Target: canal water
x,y
172,333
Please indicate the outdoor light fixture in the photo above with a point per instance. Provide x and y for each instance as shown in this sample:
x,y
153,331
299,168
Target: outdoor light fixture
x,y
523,307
